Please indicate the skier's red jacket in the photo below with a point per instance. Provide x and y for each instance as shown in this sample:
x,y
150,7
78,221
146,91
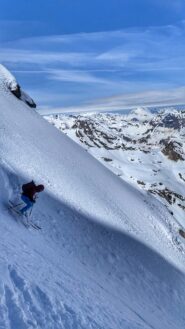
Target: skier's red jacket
x,y
30,189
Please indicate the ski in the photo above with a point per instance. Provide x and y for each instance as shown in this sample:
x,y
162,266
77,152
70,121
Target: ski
x,y
35,226
13,207
29,223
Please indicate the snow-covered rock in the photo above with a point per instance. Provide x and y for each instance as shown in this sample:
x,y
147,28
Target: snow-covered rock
x,y
140,114
11,83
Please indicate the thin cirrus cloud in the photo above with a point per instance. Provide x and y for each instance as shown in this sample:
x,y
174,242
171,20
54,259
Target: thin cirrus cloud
x,y
75,76
10,55
125,102
88,66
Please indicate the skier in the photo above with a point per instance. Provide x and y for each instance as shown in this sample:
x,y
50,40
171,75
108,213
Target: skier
x,y
28,196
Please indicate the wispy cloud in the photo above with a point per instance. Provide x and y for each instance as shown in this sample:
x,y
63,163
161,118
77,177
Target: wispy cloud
x,y
10,55
75,76
124,102
97,65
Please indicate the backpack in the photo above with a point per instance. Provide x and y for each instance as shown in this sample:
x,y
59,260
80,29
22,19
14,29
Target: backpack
x,y
27,186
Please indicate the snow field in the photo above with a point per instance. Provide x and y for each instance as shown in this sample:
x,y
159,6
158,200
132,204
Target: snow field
x,y
107,255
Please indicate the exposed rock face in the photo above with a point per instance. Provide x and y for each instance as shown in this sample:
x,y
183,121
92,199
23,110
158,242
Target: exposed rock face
x,y
27,99
17,92
172,120
169,195
172,150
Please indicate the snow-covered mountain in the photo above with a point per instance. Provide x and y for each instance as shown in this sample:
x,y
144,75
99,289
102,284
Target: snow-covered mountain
x,y
107,256
145,149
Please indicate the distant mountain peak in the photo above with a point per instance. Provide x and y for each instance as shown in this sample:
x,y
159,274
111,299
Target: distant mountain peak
x,y
140,113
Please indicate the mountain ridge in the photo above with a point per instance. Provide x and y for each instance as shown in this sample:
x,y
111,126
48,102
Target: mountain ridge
x,y
127,143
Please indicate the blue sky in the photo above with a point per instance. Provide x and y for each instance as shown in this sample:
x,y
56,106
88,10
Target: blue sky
x,y
80,54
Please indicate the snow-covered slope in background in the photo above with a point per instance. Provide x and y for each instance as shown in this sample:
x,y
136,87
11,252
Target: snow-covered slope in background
x,y
145,149
107,256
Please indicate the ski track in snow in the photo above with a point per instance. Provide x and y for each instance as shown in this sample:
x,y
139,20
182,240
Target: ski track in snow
x,y
101,260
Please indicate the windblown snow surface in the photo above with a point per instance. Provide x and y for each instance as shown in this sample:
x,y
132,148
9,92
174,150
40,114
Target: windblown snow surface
x,y
107,256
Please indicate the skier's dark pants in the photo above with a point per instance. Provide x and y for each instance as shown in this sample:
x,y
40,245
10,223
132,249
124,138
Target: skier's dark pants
x,y
28,202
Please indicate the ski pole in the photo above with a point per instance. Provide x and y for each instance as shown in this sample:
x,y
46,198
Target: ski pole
x,y
36,197
15,206
31,211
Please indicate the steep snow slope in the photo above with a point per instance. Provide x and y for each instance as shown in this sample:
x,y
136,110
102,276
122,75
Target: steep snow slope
x,y
107,256
33,148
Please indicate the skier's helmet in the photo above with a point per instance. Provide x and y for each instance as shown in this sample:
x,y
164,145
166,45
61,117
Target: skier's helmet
x,y
40,188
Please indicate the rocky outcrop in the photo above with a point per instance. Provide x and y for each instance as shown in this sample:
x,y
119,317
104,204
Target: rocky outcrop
x,y
174,120
12,85
16,90
20,94
172,150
